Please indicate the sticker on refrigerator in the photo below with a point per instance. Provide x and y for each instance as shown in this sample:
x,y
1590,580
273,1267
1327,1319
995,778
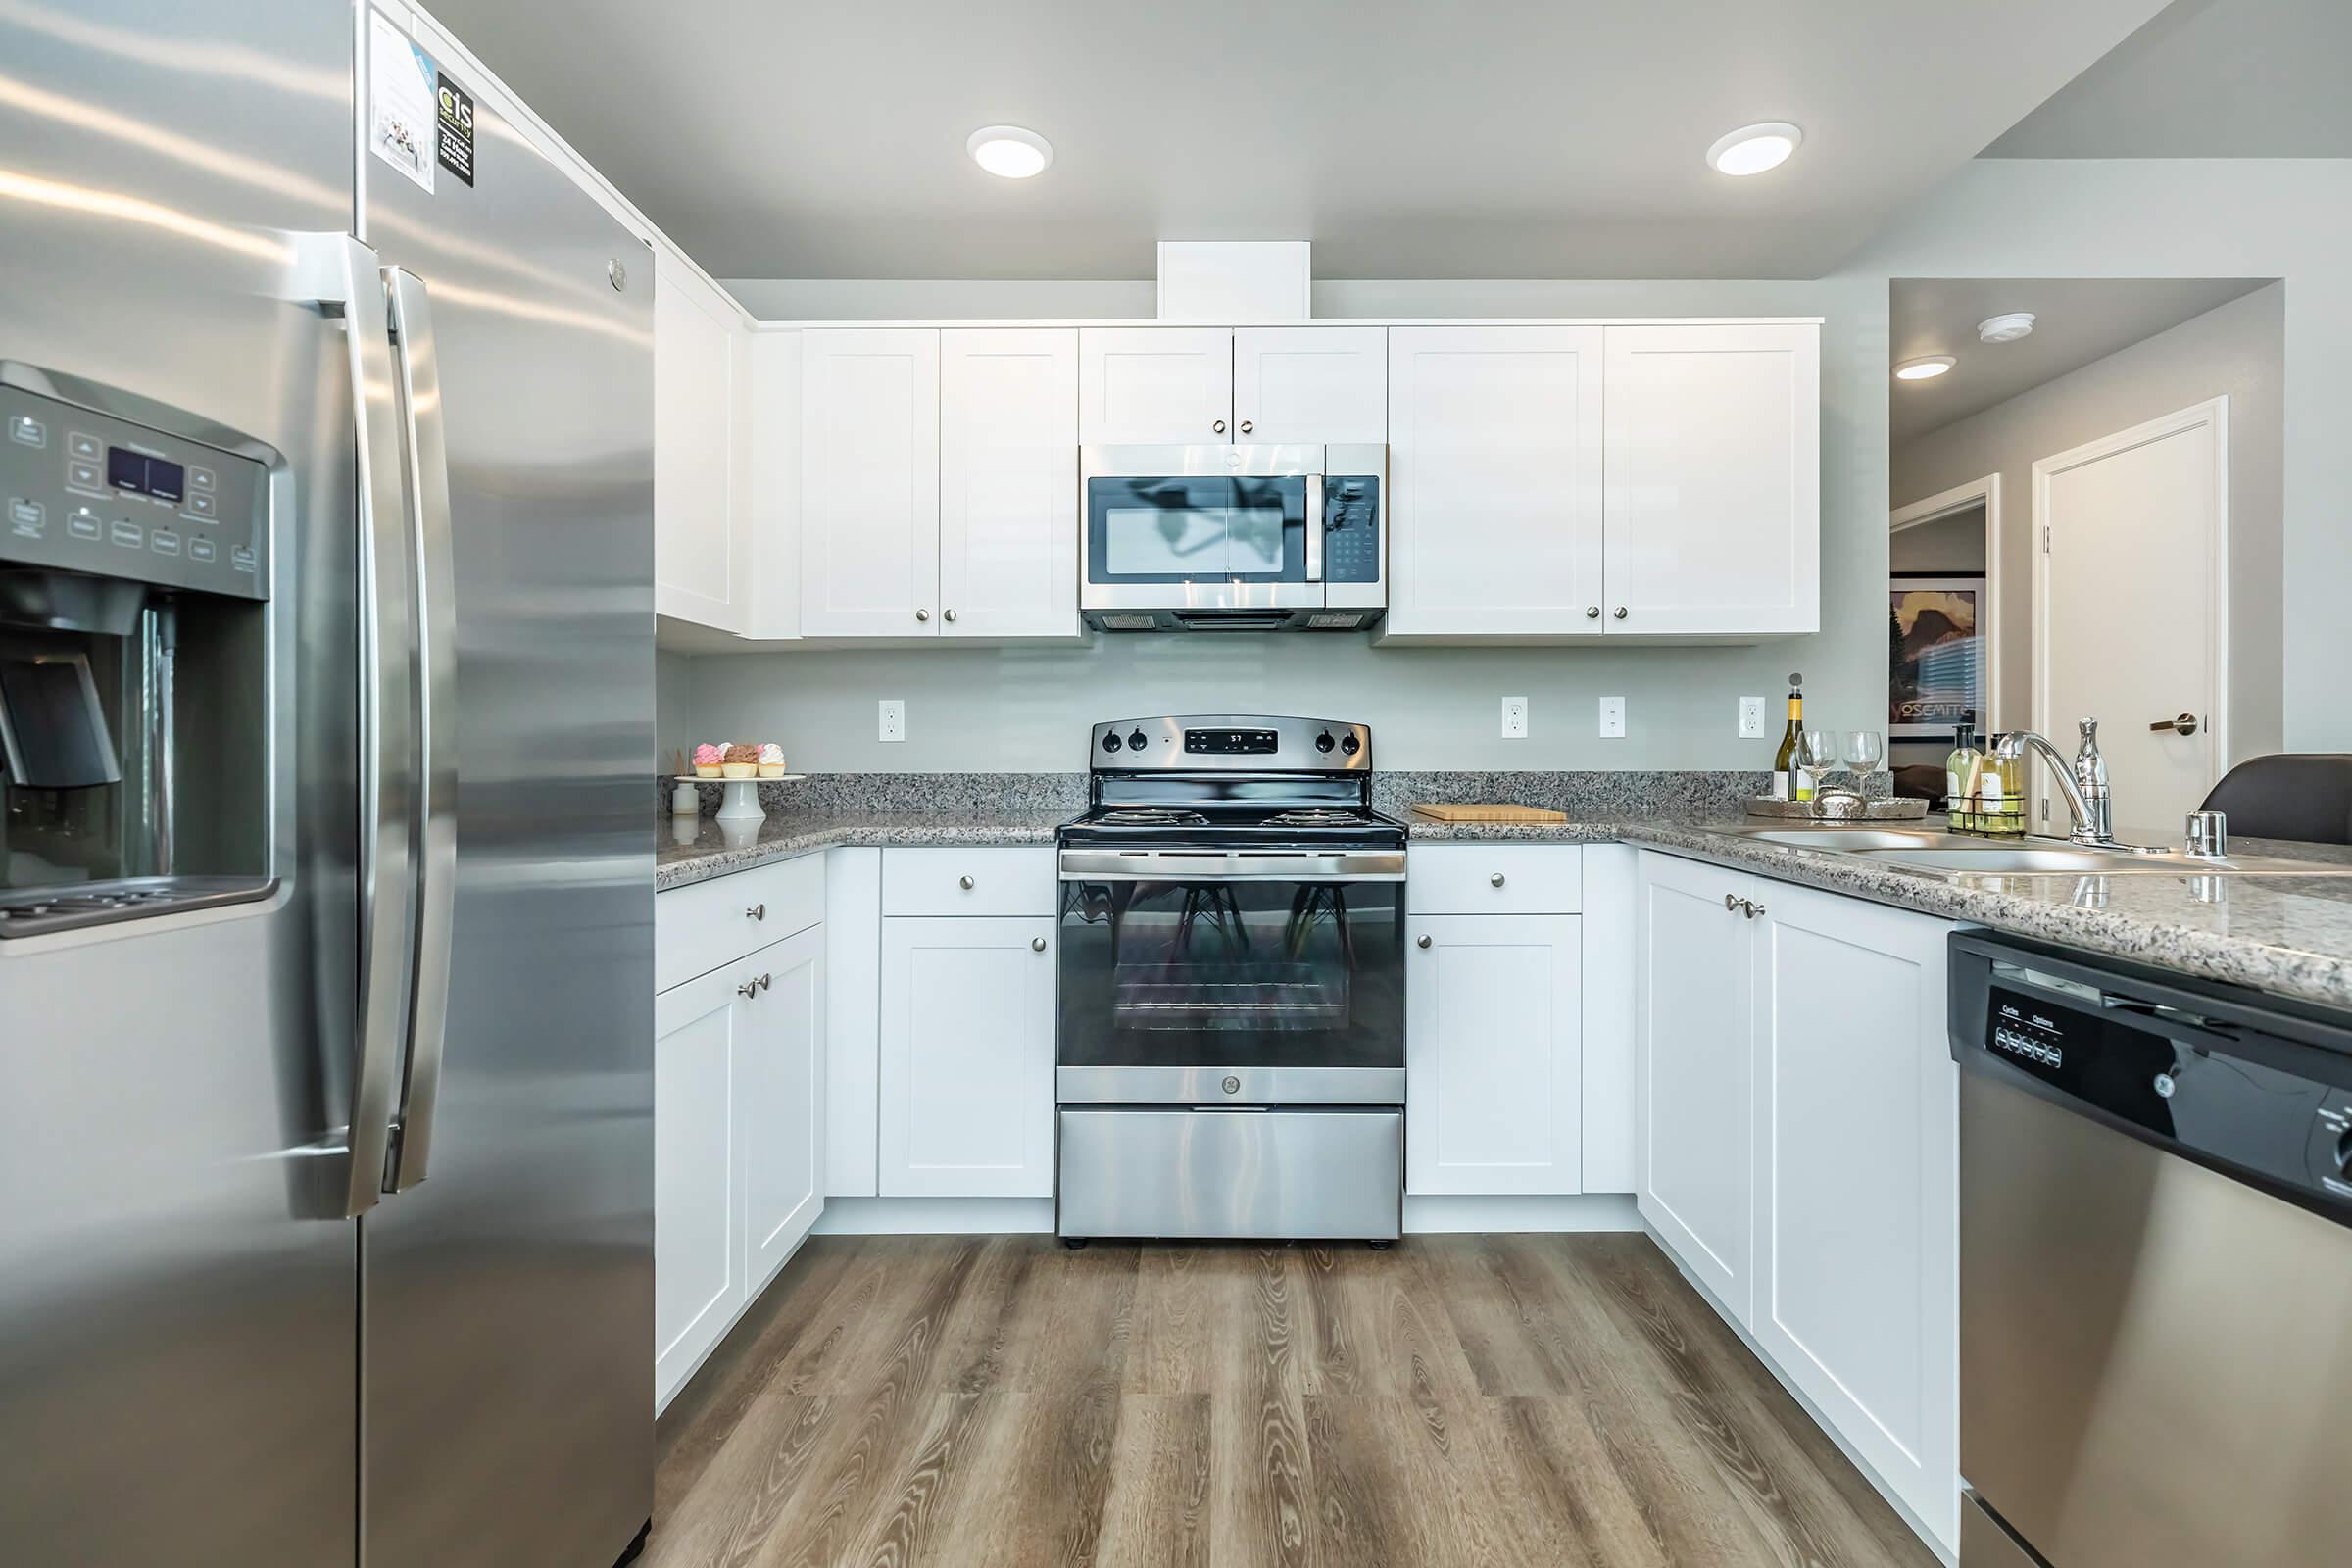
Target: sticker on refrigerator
x,y
457,128
402,115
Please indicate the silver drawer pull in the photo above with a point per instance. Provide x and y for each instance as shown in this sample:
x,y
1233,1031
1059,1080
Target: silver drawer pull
x,y
1424,942
964,882
757,911
1496,880
1036,943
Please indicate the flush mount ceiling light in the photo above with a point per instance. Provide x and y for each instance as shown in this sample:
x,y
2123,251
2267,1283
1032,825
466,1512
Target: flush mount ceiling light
x,y
1010,151
1752,149
2005,329
1926,367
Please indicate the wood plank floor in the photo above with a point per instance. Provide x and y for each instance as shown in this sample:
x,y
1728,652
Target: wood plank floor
x,y
1518,1400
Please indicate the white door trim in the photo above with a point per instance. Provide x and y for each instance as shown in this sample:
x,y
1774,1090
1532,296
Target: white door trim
x,y
2214,412
1986,492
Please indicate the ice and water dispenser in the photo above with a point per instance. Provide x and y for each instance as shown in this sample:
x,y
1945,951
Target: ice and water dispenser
x,y
135,687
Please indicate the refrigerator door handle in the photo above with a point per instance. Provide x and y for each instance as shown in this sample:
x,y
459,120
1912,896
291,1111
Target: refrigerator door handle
x,y
416,363
387,706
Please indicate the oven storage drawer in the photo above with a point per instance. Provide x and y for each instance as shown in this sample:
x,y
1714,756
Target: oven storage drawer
x,y
1274,1174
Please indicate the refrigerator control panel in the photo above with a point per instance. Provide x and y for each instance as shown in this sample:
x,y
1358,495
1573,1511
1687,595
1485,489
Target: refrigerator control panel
x,y
92,492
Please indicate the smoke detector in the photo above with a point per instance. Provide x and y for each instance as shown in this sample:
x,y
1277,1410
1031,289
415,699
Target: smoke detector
x,y
2007,328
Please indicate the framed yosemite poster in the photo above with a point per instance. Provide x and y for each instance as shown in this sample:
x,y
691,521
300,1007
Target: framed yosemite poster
x,y
1935,655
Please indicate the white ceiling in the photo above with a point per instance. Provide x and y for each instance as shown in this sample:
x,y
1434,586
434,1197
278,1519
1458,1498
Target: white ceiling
x,y
1406,138
2080,319
2207,78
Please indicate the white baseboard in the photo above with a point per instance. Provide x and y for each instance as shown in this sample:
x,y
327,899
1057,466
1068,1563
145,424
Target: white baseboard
x,y
936,1217
1434,1214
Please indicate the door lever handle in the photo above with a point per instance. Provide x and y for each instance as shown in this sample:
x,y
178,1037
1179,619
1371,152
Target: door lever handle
x,y
2185,724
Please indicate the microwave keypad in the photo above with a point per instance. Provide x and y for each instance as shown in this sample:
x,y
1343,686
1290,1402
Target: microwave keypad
x,y
1351,528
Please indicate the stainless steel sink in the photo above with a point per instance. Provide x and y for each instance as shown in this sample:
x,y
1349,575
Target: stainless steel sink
x,y
2062,860
1854,838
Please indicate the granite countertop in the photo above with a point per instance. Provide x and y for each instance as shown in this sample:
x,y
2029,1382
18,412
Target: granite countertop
x,y
2288,935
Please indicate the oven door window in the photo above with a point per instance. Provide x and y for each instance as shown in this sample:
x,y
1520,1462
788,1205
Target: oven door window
x,y
1195,528
1231,974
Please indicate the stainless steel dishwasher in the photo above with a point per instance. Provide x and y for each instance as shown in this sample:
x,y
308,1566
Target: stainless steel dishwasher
x,y
2155,1267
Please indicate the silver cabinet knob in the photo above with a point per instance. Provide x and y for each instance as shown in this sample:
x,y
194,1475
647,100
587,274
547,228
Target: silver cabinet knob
x,y
964,882
1496,880
757,911
1218,426
948,615
2185,724
1620,612
922,614
1592,611
1751,911
1036,943
1424,942
751,989
1730,901
1247,426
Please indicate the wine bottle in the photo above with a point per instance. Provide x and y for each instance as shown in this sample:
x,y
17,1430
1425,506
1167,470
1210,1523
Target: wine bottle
x,y
1785,784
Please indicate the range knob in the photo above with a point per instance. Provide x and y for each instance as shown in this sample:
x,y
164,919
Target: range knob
x,y
1352,746
1136,739
1110,742
1324,742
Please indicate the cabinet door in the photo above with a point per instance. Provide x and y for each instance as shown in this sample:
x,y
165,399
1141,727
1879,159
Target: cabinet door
x,y
1493,1081
967,1057
1856,1217
779,1103
870,484
701,572
697,1273
1155,385
1714,479
1310,384
1695,1028
1495,480
1008,483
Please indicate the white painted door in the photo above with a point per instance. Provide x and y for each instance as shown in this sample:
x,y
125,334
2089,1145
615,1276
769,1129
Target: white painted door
x,y
1008,482
1491,1054
701,569
1155,385
1694,1019
1494,482
780,1101
1856,1216
967,1057
698,1271
870,484
1714,480
2131,612
1310,384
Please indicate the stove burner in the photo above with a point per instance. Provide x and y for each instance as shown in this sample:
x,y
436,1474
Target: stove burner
x,y
1152,817
1314,816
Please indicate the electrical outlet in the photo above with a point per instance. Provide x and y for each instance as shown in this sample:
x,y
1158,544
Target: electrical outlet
x,y
892,725
1612,718
1751,718
1514,718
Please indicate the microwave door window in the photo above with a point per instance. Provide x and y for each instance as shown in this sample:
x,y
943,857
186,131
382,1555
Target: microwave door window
x,y
1196,530
1165,541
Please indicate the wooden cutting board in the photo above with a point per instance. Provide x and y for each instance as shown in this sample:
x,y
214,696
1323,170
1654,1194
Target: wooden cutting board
x,y
1443,811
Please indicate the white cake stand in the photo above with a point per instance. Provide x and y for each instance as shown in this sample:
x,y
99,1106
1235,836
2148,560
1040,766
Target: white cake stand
x,y
741,802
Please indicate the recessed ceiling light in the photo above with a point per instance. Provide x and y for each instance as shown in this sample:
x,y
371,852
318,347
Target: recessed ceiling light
x,y
2007,328
1752,149
1926,367
1010,151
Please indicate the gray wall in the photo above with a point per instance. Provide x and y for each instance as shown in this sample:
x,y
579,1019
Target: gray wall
x,y
2288,219
1954,543
2238,350
1028,708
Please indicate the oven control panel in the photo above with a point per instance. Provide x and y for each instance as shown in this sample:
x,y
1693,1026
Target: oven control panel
x,y
1204,743
1232,742
94,493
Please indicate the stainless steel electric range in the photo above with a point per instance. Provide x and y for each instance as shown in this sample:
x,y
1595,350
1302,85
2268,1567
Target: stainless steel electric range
x,y
1230,1042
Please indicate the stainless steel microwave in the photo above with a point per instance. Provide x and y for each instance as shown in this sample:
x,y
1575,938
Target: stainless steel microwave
x,y
1234,538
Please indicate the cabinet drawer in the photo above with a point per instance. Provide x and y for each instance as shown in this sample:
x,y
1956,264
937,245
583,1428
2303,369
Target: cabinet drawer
x,y
698,928
1004,881
1494,879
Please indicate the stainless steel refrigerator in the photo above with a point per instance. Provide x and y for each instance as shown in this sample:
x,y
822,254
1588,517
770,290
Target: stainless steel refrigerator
x,y
326,908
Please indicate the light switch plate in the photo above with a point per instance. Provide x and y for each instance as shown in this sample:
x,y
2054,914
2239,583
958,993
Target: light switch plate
x,y
892,722
1751,718
1612,718
1514,718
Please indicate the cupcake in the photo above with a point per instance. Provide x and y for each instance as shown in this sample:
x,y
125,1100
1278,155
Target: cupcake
x,y
742,762
771,761
707,759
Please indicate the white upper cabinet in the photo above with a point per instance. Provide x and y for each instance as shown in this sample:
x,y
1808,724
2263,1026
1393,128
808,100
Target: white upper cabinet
x,y
1155,385
1311,385
1494,482
870,484
701,565
1714,479
1491,1058
1008,482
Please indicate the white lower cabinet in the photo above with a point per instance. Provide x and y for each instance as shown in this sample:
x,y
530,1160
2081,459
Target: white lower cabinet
x,y
967,1057
779,1104
1797,1149
1493,1071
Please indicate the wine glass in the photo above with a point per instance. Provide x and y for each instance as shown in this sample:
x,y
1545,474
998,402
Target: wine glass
x,y
1865,753
1816,754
